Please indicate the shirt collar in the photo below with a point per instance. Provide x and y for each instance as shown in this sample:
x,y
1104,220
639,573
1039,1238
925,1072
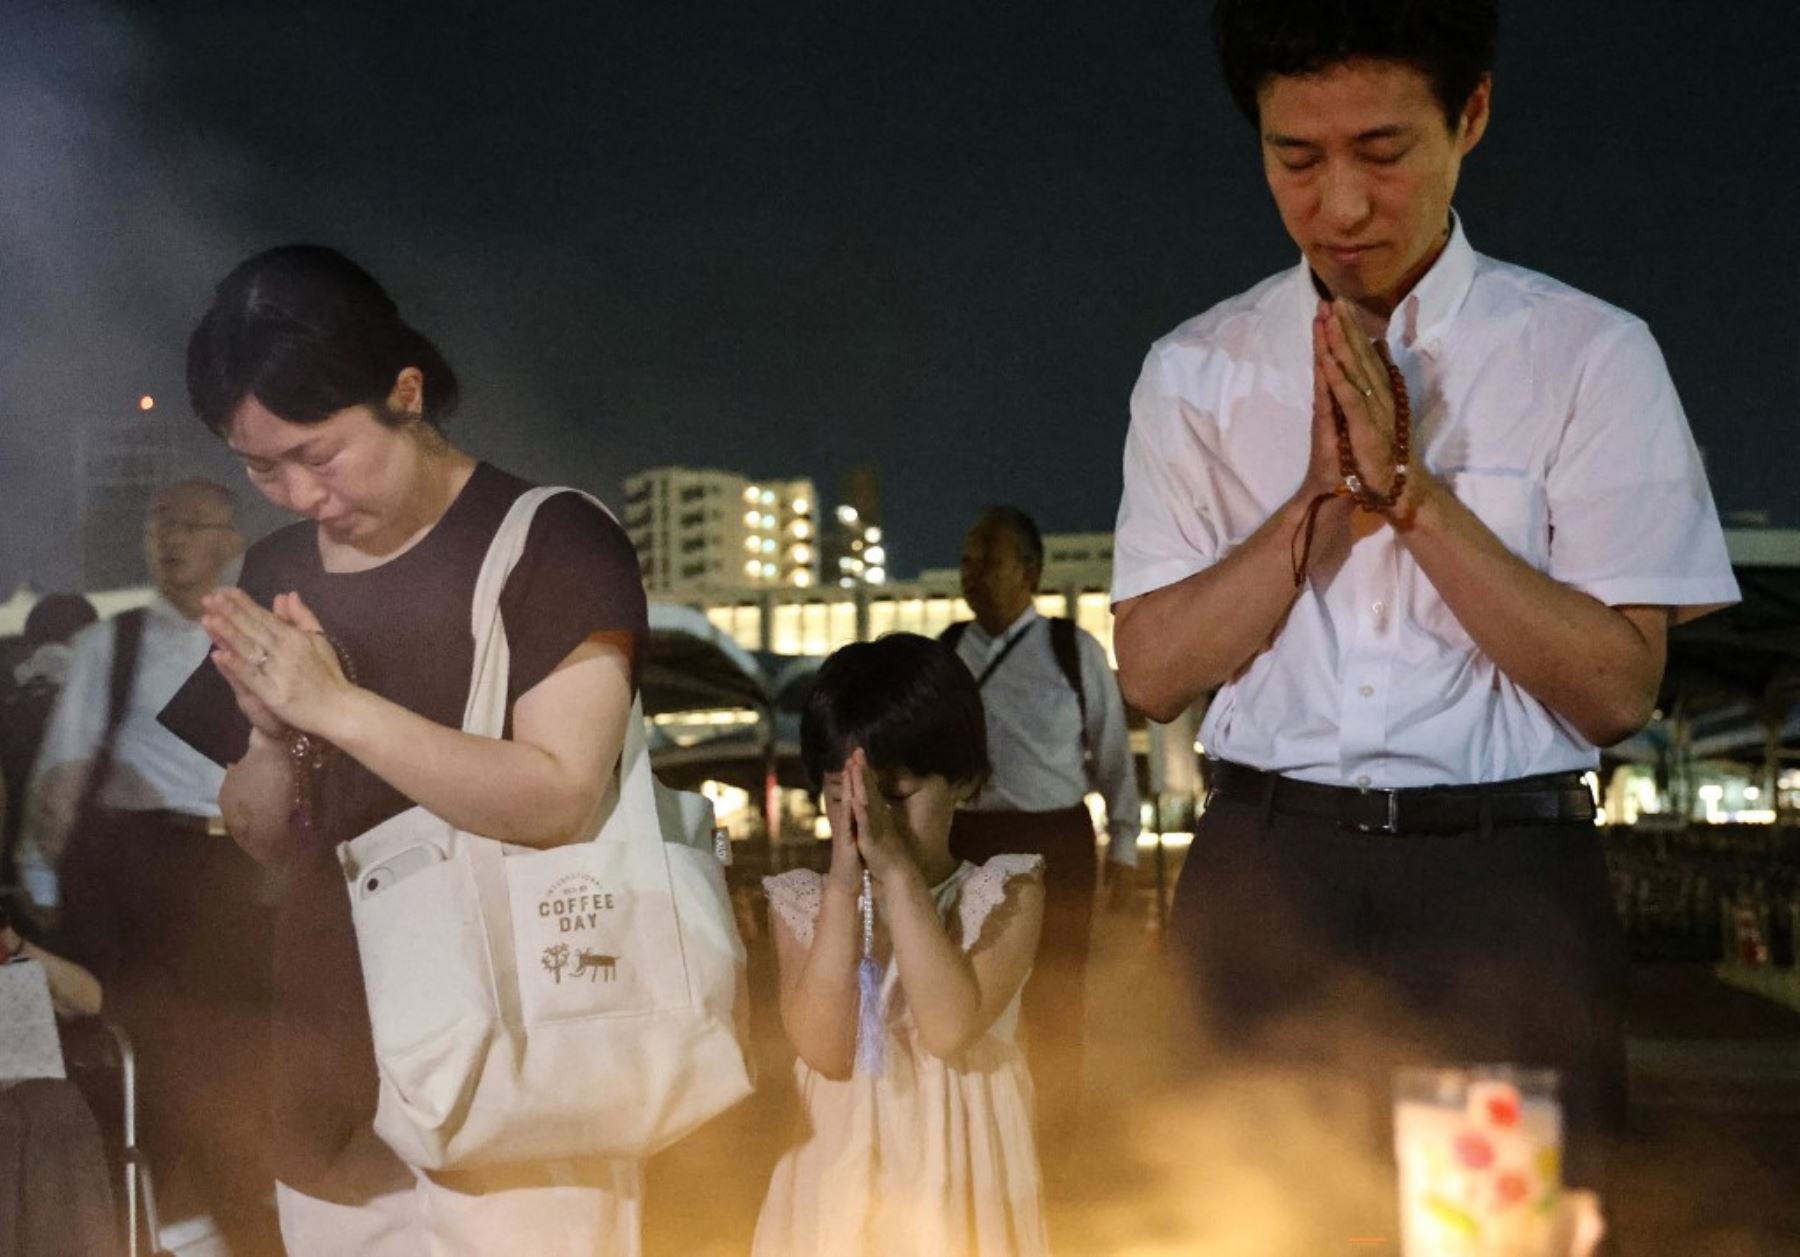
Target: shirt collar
x,y
1026,618
161,609
1424,314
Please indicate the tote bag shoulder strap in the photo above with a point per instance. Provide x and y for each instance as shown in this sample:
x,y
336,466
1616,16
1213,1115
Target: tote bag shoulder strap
x,y
485,712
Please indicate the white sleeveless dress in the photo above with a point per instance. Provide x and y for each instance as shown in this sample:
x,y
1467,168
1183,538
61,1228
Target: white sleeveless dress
x,y
930,1156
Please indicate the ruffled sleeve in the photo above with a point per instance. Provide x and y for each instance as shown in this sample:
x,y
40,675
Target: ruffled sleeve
x,y
794,897
986,897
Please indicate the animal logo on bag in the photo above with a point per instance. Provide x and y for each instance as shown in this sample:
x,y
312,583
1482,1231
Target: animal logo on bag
x,y
595,965
577,904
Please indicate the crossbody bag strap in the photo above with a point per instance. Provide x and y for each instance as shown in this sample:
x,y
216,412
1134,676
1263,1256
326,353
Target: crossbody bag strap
x,y
128,639
1067,649
994,663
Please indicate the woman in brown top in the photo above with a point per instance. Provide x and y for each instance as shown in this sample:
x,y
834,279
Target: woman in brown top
x,y
352,629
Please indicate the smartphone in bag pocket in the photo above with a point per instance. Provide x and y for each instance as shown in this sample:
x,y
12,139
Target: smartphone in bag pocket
x,y
397,868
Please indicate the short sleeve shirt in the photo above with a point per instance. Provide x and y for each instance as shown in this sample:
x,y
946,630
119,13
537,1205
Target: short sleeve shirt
x,y
1549,413
405,624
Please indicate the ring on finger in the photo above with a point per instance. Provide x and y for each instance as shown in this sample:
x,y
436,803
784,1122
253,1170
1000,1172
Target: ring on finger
x,y
1367,390
262,660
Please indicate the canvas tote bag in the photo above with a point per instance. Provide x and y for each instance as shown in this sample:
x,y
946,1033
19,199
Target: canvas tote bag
x,y
536,1005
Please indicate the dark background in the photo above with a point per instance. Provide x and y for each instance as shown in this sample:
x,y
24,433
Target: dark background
x,y
787,238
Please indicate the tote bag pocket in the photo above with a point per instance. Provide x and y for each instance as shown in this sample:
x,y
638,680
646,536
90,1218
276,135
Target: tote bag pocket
x,y
424,952
595,932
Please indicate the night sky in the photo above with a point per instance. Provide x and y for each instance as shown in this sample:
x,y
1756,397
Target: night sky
x,y
791,238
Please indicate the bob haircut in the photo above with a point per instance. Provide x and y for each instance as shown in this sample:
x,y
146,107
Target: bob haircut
x,y
1451,42
307,332
907,700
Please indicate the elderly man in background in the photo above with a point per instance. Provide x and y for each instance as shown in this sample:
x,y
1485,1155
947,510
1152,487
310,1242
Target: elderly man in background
x,y
1056,730
122,839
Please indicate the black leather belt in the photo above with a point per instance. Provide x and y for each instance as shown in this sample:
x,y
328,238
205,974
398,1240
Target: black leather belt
x,y
1545,800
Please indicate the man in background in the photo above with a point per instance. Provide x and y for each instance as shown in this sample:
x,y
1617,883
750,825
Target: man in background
x,y
1056,730
150,893
33,666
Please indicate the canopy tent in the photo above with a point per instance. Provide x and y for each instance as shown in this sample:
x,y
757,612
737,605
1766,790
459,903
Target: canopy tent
x,y
1747,653
693,666
1735,672
1731,689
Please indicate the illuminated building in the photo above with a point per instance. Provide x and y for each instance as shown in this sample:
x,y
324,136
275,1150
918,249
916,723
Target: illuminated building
x,y
855,549
699,530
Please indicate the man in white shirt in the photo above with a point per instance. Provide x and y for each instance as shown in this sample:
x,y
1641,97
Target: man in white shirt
x,y
1056,730
1421,625
154,897
190,539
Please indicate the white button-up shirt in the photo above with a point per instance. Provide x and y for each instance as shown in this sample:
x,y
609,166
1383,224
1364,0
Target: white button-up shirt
x,y
1549,413
1034,729
153,770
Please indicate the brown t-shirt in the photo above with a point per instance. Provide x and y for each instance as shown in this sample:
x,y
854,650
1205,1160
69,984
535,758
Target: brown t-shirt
x,y
405,628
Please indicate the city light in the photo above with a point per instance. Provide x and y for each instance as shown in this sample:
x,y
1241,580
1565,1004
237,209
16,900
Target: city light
x,y
803,578
751,518
876,555
146,402
846,514
802,554
768,545
768,570
872,533
876,576
752,568
801,529
750,544
752,494
768,521
768,497
802,506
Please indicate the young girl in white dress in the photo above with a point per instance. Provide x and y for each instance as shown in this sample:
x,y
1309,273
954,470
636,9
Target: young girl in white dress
x,y
916,1136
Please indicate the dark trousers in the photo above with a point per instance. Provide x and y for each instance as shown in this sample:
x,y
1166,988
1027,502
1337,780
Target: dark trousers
x,y
1054,1004
171,921
1347,954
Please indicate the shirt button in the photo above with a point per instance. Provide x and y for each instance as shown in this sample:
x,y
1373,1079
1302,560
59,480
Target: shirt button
x,y
1366,691
1363,781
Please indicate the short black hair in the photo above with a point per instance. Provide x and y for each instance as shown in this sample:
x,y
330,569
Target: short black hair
x,y
308,333
907,700
1452,42
1023,528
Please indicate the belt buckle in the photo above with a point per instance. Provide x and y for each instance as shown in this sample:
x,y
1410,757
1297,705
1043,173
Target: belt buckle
x,y
1392,824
